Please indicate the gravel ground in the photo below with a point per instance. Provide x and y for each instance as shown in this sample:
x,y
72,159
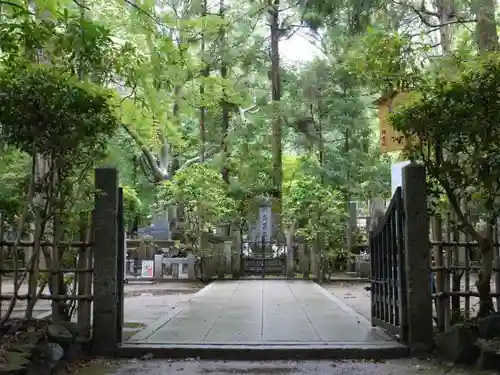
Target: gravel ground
x,y
195,367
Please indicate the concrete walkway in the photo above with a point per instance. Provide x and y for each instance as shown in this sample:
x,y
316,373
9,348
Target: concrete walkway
x,y
263,314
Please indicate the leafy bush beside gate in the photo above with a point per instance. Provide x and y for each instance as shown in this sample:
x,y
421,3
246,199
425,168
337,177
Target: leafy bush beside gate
x,y
61,125
454,123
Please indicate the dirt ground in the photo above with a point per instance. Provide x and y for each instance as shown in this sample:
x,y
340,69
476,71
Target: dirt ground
x,y
198,367
146,302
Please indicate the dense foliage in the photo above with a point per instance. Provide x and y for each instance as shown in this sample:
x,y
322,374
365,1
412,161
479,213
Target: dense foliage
x,y
453,124
45,112
194,87
212,116
453,127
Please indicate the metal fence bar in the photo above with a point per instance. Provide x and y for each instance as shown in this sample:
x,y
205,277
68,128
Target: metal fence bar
x,y
496,249
388,270
402,304
2,251
260,258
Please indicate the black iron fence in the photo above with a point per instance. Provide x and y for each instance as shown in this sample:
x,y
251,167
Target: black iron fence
x,y
261,258
388,282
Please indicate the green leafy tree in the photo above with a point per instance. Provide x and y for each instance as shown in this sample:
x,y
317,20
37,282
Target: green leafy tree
x,y
203,195
453,122
52,116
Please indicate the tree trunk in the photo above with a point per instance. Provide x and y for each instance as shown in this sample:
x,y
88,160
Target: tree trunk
x,y
446,12
484,281
349,228
484,239
224,103
486,32
276,97
204,74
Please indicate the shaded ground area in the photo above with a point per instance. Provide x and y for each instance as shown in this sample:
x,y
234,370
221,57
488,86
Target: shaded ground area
x,y
356,296
144,302
352,294
195,367
41,307
166,288
261,312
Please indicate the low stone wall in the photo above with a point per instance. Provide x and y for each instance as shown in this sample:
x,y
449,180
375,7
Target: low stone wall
x,y
160,268
217,260
39,347
362,268
472,343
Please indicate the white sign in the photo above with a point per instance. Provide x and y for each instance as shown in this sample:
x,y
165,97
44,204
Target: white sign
x,y
397,175
147,269
265,223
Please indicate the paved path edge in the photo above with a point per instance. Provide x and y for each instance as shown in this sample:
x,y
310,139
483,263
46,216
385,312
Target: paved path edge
x,y
139,345
378,351
350,311
154,326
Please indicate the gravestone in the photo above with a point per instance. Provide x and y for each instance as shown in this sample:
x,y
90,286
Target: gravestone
x,y
265,221
236,252
351,229
253,232
160,226
377,212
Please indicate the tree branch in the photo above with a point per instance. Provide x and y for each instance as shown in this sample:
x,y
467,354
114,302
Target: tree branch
x,y
147,14
208,154
452,197
12,4
18,6
423,11
81,5
253,109
146,170
158,174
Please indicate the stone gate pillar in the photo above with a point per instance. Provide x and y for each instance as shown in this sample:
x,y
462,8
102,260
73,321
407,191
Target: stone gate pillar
x,y
417,259
105,310
352,224
304,258
236,252
290,267
314,265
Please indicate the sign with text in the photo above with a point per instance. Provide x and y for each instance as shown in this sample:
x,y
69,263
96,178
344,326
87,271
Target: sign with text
x,y
147,269
390,139
265,222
